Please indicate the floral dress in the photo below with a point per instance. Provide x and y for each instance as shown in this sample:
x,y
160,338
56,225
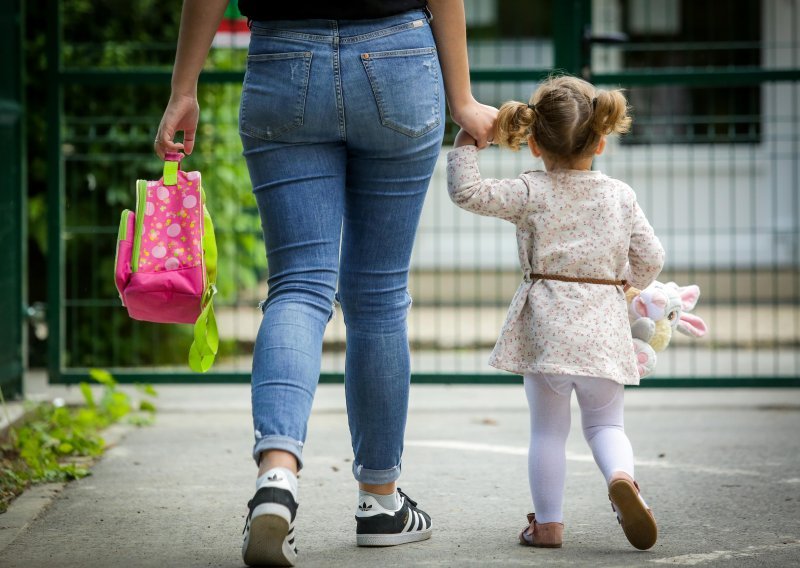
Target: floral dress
x,y
575,224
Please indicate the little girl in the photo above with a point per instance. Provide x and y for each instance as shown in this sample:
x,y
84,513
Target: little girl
x,y
582,239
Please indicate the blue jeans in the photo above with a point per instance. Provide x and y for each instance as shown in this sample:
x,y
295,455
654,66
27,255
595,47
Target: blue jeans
x,y
341,123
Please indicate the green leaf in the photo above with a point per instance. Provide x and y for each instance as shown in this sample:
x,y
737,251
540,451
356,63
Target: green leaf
x,y
148,390
141,419
86,391
103,377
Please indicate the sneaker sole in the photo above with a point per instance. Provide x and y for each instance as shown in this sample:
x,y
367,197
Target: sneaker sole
x,y
266,544
637,521
393,539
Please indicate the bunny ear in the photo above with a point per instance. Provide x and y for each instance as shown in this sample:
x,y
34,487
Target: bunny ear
x,y
639,306
692,325
689,294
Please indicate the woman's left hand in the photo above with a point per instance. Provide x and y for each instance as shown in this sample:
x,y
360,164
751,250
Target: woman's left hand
x,y
181,115
478,120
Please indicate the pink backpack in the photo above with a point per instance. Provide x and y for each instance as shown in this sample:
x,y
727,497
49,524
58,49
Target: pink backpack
x,y
166,263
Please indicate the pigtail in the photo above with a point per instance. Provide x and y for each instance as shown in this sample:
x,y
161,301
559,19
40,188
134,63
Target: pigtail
x,y
570,118
610,113
514,123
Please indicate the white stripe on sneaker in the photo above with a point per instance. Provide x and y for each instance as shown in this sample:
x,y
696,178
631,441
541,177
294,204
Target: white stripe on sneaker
x,y
408,521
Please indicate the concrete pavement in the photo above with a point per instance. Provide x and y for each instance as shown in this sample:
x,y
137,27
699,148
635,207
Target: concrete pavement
x,y
721,469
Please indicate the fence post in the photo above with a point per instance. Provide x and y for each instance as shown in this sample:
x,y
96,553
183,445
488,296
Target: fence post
x,y
570,20
13,267
55,193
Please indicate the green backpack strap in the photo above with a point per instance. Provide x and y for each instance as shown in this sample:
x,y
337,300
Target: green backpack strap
x,y
206,335
171,164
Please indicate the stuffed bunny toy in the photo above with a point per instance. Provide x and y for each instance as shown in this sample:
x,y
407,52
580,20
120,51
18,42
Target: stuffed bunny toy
x,y
654,313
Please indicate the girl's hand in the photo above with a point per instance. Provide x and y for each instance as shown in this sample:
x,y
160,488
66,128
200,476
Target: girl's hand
x,y
464,139
477,119
181,115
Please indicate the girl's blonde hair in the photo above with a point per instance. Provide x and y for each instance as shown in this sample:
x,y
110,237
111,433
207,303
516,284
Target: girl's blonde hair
x,y
566,116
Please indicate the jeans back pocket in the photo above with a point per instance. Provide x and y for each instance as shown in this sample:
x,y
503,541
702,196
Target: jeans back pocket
x,y
406,87
274,93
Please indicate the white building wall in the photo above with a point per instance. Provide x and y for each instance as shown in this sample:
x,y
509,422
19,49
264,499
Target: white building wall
x,y
717,206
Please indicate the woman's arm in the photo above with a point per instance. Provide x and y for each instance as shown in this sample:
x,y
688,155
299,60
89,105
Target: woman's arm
x,y
199,22
450,32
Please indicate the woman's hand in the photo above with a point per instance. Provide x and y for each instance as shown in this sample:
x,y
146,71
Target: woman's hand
x,y
477,119
450,32
181,115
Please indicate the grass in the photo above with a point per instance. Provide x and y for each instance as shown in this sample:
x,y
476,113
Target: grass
x,y
56,442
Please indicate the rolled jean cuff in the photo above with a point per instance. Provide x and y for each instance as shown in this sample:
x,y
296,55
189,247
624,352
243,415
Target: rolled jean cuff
x,y
375,476
284,443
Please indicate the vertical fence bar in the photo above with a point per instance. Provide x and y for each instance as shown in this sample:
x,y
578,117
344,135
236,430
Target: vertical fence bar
x,y
12,199
795,144
55,193
570,19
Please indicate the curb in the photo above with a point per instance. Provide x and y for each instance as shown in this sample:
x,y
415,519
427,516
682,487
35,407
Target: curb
x,y
12,415
25,509
31,503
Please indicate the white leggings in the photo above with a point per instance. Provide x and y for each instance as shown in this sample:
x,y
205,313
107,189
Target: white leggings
x,y
601,403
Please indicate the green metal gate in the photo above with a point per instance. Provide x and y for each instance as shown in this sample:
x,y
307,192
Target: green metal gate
x,y
713,158
12,200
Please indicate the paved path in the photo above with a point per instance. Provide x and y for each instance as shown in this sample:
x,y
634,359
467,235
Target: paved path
x,y
721,469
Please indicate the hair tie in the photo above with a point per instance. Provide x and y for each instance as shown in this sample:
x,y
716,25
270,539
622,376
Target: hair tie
x,y
594,103
532,107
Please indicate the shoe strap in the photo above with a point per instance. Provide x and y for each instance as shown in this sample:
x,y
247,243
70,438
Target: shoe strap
x,y
407,498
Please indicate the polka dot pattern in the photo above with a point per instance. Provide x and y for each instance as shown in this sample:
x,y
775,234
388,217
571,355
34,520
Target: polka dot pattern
x,y
173,222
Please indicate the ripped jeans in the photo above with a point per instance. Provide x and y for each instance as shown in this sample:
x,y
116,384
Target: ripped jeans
x,y
341,124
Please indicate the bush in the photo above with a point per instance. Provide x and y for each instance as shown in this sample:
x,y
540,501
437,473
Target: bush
x,y
107,134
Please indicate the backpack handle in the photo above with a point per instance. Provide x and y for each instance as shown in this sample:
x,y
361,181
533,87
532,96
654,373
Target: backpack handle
x,y
172,163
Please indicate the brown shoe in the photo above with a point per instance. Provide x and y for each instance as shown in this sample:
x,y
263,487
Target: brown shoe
x,y
633,515
541,535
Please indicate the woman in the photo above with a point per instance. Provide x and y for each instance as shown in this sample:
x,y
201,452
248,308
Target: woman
x,y
341,120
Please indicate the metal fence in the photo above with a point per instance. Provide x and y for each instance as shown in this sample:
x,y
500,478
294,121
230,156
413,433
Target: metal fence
x,y
713,157
12,201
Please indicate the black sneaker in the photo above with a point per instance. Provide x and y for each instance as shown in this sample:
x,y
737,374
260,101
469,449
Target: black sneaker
x,y
269,529
376,526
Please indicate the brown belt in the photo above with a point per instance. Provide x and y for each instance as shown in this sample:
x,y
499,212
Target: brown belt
x,y
575,279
